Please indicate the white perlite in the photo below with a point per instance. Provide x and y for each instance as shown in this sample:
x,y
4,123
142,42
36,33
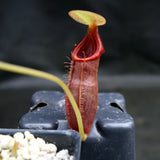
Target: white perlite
x,y
27,147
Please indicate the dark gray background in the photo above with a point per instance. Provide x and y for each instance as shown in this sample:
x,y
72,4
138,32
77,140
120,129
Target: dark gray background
x,y
41,35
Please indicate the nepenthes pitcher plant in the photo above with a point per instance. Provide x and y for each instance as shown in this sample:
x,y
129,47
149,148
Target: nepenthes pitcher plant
x,y
81,100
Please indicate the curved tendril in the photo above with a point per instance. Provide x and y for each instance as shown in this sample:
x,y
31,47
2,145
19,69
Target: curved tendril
x,y
36,73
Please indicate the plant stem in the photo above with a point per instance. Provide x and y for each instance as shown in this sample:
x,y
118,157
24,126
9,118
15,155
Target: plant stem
x,y
36,73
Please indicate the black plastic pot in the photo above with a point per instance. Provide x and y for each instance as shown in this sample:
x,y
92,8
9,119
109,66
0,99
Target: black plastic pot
x,y
112,135
62,139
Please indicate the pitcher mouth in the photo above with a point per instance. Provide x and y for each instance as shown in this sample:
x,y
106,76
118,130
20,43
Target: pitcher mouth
x,y
89,48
